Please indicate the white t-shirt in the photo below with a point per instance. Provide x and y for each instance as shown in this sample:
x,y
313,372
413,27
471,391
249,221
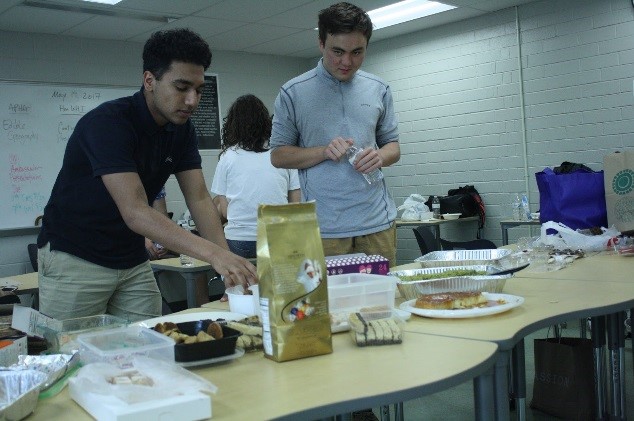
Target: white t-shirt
x,y
248,179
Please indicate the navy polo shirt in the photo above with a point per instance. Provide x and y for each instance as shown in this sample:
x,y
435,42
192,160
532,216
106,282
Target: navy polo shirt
x,y
81,218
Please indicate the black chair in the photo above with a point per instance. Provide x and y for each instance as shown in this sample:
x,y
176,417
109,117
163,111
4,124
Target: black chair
x,y
32,248
427,242
426,239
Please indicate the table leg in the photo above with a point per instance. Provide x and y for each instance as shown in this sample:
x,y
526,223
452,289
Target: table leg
x,y
505,235
518,369
616,344
385,412
597,332
399,413
437,232
190,285
501,386
483,396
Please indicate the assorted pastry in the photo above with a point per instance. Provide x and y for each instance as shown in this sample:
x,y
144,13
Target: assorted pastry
x,y
369,329
214,331
444,274
251,329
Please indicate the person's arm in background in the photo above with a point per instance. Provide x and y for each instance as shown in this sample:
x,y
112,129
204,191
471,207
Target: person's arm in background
x,y
128,194
153,251
221,205
235,269
294,196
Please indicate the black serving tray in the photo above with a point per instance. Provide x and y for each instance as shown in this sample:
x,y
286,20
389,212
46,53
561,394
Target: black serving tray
x,y
205,350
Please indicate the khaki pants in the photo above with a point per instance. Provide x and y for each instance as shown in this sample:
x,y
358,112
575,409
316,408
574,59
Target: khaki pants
x,y
382,243
71,287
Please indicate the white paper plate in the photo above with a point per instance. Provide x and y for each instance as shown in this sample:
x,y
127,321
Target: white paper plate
x,y
191,317
511,301
237,354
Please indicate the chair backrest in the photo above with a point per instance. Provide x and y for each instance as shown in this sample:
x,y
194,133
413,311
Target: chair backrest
x,y
32,248
479,244
426,240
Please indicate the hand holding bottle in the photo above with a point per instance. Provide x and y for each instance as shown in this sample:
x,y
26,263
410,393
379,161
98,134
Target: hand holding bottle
x,y
363,161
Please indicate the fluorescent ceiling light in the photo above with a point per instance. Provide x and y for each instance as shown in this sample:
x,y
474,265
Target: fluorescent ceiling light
x,y
405,11
104,1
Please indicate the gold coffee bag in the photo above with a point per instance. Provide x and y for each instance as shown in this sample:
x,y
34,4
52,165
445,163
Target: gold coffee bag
x,y
293,288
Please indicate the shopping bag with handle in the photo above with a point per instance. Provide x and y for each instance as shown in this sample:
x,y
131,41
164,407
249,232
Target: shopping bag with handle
x,y
573,195
564,378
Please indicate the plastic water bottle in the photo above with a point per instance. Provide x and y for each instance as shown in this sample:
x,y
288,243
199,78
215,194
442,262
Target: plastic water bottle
x,y
371,177
186,261
516,207
435,207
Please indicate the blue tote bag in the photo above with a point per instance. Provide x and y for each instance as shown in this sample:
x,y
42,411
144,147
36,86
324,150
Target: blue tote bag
x,y
575,199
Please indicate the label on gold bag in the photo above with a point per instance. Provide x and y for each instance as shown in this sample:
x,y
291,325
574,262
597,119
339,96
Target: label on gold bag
x,y
293,282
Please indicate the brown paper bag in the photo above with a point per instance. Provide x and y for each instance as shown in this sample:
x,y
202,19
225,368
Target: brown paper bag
x,y
564,378
619,189
293,287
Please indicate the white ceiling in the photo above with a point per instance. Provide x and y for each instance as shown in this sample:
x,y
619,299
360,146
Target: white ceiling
x,y
279,27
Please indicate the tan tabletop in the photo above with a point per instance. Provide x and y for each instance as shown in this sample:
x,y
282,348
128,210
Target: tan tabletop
x,y
546,302
403,223
601,267
189,273
351,378
26,283
550,298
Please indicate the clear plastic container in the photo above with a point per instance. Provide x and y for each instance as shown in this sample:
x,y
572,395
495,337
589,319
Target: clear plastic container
x,y
352,292
64,338
375,327
121,346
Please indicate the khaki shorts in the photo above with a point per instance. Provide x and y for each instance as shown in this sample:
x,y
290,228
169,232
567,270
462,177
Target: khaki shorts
x,y
382,243
71,287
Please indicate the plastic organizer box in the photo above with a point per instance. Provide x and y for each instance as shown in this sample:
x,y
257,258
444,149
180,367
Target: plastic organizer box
x,y
63,336
351,292
121,346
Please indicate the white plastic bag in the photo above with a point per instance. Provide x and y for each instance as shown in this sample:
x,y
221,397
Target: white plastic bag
x,y
567,238
414,208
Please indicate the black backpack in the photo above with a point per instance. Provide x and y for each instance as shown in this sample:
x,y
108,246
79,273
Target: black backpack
x,y
464,200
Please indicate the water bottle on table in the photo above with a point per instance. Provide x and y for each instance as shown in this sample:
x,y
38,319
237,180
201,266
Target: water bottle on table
x,y
186,261
371,177
435,207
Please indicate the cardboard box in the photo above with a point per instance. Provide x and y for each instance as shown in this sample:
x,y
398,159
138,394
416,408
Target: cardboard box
x,y
9,354
618,170
32,322
193,406
359,263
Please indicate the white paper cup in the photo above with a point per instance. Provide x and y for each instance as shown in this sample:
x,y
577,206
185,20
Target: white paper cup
x,y
239,302
255,289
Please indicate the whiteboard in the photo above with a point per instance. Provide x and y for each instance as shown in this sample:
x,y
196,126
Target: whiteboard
x,y
36,121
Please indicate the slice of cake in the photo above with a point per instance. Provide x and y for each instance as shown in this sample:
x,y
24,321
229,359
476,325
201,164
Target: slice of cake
x,y
367,330
451,300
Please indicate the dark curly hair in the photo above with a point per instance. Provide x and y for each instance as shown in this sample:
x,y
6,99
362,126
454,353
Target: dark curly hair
x,y
343,18
181,44
247,125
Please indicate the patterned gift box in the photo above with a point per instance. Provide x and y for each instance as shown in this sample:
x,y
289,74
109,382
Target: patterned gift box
x,y
373,264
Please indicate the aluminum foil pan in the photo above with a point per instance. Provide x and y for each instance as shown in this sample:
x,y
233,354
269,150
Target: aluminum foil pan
x,y
19,391
463,258
413,289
